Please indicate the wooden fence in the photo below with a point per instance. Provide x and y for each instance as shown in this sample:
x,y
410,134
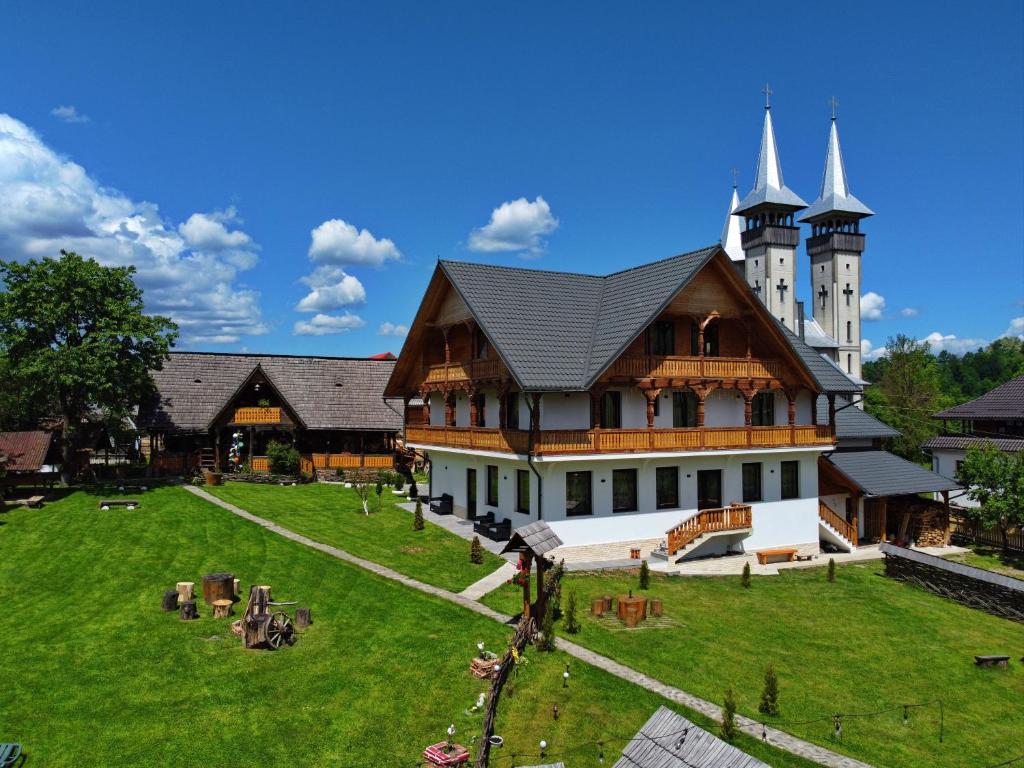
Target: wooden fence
x,y
963,529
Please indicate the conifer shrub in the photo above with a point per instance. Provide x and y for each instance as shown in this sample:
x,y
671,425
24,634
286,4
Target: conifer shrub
x,y
770,695
745,578
417,518
569,622
831,569
645,575
728,729
476,551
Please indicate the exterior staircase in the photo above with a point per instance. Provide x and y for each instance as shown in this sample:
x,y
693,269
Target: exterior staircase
x,y
699,527
206,459
835,529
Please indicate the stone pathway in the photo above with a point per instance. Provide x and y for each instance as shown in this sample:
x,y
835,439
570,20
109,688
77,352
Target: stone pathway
x,y
777,738
489,583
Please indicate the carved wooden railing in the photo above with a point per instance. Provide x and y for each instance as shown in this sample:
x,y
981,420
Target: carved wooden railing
x,y
468,371
843,528
257,416
352,460
556,441
736,517
676,366
260,464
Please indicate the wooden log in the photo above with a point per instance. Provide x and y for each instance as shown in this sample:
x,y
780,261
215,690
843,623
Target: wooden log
x,y
189,610
597,606
218,586
222,608
656,607
170,601
187,590
608,604
303,617
256,630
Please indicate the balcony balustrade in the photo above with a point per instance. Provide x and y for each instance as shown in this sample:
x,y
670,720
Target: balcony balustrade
x,y
576,441
679,367
257,415
465,371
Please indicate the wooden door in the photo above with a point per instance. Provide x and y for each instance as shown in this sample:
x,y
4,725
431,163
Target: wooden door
x,y
471,493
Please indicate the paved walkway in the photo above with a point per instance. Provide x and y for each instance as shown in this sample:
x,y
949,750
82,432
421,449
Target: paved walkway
x,y
489,583
776,737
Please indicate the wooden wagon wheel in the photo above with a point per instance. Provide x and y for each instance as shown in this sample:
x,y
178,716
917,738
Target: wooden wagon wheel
x,y
279,630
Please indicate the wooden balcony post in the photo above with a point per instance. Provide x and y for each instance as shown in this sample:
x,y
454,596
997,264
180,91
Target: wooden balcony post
x,y
701,393
447,352
651,395
832,411
535,415
791,414
449,408
425,396
472,392
596,393
503,405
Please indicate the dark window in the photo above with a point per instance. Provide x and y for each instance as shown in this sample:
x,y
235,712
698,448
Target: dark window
x,y
762,409
492,485
849,330
710,340
512,410
709,489
481,410
624,490
611,410
523,491
662,338
577,494
684,409
667,485
481,345
790,479
752,482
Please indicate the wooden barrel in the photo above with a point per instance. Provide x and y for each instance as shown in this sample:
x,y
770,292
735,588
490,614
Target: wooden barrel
x,y
218,586
656,607
632,610
597,606
607,602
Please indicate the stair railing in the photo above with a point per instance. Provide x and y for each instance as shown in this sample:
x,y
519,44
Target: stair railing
x,y
731,518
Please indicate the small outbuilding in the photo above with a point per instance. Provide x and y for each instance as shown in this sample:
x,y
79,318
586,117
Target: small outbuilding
x,y
27,458
533,542
669,740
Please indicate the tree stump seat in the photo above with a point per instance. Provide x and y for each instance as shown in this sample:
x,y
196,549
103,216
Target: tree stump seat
x,y
992,661
186,590
222,608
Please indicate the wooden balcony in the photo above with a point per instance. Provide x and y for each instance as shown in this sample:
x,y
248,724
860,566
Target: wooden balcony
x,y
253,416
737,517
576,441
679,367
309,462
467,371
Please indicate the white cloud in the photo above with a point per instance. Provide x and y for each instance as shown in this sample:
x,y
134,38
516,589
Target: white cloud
x,y
332,289
391,329
517,225
322,325
48,202
338,242
207,231
868,351
1016,328
910,312
69,114
872,305
949,342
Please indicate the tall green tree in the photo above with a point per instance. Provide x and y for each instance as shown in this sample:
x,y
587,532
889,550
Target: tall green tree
x,y
77,331
907,392
996,481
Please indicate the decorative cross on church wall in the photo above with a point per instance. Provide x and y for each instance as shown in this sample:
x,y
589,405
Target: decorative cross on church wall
x,y
823,295
848,292
782,288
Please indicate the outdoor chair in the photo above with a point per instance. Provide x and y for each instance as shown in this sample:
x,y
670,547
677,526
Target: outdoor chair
x,y
441,505
9,754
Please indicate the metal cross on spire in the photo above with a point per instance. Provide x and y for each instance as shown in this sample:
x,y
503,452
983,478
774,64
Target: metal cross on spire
x,y
735,174
834,103
767,91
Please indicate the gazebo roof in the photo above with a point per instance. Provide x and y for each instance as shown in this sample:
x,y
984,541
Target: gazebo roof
x,y
537,538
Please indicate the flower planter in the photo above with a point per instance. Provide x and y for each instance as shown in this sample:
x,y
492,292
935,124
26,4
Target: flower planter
x,y
442,755
483,668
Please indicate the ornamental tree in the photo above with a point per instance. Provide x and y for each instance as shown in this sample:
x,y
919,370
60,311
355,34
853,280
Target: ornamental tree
x,y
77,330
996,481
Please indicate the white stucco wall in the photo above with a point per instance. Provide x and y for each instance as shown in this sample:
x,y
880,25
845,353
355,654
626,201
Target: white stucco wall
x,y
944,462
723,408
436,409
558,410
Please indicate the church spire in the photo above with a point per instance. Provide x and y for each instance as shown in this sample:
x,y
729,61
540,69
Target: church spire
x,y
770,191
730,239
834,197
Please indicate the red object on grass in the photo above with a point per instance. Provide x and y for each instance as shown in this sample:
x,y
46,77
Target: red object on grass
x,y
438,754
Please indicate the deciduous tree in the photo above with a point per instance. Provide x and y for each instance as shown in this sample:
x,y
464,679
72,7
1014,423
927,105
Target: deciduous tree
x,y
996,481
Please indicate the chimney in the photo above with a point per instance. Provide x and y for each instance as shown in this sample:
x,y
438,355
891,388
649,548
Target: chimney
x,y
800,319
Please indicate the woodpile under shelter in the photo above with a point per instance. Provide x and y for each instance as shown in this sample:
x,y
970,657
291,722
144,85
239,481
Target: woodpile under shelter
x,y
669,740
332,409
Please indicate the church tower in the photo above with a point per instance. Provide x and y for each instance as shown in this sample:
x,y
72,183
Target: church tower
x,y
769,238
731,236
835,247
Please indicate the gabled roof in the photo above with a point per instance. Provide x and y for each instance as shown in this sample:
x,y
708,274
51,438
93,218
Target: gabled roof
x,y
537,537
1004,402
879,473
24,451
559,331
963,442
815,336
323,392
669,740
853,422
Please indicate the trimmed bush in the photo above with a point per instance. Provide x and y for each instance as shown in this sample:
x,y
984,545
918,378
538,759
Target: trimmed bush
x,y
417,518
569,622
770,695
745,578
476,551
645,575
831,569
283,458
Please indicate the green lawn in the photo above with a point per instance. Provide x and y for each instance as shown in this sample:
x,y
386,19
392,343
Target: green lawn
x,y
859,645
94,674
332,514
993,559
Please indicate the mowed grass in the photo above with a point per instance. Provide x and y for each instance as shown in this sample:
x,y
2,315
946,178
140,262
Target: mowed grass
x,y
93,673
993,559
333,514
862,644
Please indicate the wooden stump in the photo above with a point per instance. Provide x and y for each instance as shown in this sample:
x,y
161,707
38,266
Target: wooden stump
x,y
607,603
222,608
170,601
187,590
218,586
189,610
236,586
632,610
303,617
597,606
255,632
656,607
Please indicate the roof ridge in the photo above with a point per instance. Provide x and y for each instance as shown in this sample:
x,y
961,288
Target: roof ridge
x,y
275,354
661,261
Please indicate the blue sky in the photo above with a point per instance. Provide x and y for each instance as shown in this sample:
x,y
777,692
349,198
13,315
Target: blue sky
x,y
237,152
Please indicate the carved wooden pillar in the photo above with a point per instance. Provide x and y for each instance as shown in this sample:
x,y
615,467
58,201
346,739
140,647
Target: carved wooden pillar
x,y
447,350
651,395
701,393
791,414
832,411
449,408
426,408
503,405
535,414
748,407
472,406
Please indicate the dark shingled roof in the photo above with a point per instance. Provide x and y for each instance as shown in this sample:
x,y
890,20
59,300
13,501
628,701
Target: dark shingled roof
x,y
963,442
537,537
24,451
879,473
561,330
660,744
853,422
193,388
1004,402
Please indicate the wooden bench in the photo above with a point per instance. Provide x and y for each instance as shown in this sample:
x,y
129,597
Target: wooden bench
x,y
35,502
127,503
764,554
992,661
